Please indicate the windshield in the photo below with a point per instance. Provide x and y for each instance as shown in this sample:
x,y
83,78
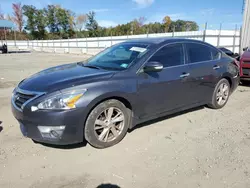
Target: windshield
x,y
118,57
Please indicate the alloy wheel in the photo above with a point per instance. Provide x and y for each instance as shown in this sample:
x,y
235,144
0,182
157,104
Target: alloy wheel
x,y
109,124
222,94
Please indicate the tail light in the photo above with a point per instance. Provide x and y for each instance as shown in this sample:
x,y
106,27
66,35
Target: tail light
x,y
236,63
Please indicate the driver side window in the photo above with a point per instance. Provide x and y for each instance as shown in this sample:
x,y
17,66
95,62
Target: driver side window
x,y
170,55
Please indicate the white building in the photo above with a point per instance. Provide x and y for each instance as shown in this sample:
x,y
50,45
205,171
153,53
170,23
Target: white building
x,y
245,40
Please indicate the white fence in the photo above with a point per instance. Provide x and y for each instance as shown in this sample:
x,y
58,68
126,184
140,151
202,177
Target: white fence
x,y
220,38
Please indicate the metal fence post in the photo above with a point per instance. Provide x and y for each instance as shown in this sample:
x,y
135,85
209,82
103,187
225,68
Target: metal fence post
x,y
173,31
5,36
15,37
53,41
240,50
68,46
77,43
86,45
235,32
61,45
218,39
111,39
42,45
204,33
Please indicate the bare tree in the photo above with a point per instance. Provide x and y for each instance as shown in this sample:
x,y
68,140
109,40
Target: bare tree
x,y
141,21
18,15
80,21
167,22
9,17
1,14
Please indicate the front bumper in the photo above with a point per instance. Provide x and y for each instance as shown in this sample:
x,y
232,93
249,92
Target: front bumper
x,y
73,120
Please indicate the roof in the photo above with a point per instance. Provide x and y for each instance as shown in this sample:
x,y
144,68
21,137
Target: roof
x,y
159,40
6,24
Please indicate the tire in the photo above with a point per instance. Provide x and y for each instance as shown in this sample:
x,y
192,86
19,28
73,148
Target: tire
x,y
101,112
214,104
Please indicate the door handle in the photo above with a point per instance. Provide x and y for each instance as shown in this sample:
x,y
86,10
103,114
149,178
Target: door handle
x,y
184,75
216,67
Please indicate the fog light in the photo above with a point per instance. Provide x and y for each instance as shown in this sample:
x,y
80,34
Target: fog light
x,y
51,132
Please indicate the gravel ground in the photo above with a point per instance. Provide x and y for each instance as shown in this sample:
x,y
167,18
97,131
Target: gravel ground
x,y
199,148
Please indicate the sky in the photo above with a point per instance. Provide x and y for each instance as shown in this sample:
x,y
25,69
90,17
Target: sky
x,y
114,12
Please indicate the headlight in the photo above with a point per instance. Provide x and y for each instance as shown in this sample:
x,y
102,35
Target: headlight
x,y
61,101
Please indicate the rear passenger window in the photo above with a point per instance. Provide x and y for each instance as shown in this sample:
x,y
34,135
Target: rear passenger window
x,y
198,52
215,54
170,55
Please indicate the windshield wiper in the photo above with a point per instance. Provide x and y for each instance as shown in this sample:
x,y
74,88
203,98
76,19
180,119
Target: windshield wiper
x,y
90,66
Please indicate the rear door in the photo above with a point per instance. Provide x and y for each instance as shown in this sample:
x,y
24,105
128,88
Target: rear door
x,y
204,63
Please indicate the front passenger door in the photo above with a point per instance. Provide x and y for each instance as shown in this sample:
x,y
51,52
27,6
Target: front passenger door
x,y
168,89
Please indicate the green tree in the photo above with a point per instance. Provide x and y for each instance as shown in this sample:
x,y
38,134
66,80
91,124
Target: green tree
x,y
29,11
92,25
41,23
181,25
52,19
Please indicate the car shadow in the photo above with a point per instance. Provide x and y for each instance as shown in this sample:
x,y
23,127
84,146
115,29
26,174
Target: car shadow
x,y
1,128
150,122
64,147
245,84
18,52
108,186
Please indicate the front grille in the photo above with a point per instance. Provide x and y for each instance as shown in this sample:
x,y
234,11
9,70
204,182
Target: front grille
x,y
246,62
21,98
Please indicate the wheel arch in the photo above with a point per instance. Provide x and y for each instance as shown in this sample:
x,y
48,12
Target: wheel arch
x,y
229,79
120,97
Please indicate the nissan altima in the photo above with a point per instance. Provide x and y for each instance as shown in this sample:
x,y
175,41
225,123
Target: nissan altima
x,y
100,99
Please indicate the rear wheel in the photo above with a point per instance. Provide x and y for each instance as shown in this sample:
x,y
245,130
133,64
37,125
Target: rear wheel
x,y
220,95
107,124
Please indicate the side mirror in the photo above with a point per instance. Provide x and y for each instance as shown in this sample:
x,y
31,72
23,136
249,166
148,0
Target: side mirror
x,y
245,49
153,67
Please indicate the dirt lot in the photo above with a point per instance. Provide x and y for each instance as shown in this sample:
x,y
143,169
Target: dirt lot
x,y
201,148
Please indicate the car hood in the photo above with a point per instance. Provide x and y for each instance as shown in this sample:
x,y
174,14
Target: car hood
x,y
246,55
64,76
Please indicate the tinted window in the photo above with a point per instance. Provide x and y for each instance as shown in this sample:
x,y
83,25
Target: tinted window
x,y
198,52
170,55
118,57
215,54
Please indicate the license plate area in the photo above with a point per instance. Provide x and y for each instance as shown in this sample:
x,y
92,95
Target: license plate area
x,y
246,72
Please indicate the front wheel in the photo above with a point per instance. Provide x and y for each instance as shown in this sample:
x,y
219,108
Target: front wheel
x,y
107,124
220,95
